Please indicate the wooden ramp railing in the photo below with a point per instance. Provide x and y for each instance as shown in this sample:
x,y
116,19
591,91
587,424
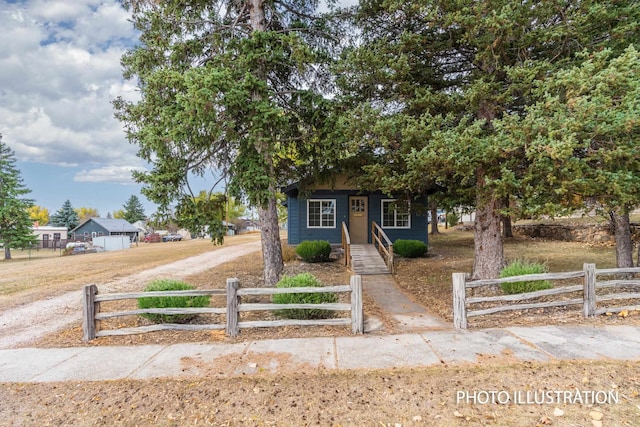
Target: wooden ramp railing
x,y
346,245
383,244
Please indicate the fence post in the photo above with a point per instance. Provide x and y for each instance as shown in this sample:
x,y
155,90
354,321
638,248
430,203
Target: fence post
x,y
589,308
89,312
232,307
460,300
357,319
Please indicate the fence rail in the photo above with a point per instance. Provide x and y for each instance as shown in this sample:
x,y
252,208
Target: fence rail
x,y
588,300
383,244
92,315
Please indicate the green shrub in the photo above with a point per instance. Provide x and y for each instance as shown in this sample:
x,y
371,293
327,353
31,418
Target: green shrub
x,y
453,219
521,268
314,250
170,302
303,280
409,248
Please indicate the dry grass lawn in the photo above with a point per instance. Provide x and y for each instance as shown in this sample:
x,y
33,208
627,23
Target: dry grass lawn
x,y
45,273
395,397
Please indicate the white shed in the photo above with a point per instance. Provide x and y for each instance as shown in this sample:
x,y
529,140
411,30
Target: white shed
x,y
112,243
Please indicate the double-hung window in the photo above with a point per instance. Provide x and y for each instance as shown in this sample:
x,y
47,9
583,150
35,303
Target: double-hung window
x,y
395,214
321,213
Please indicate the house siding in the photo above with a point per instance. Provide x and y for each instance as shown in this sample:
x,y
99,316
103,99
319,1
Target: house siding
x,y
293,221
89,228
297,218
419,221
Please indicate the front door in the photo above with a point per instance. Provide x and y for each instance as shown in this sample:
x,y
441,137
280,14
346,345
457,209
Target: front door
x,y
358,219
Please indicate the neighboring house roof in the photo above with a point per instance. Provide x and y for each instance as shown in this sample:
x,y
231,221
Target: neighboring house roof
x,y
112,225
48,228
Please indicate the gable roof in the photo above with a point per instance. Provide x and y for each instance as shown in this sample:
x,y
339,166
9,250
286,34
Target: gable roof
x,y
112,225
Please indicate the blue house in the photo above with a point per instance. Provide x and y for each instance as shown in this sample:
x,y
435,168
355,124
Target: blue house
x,y
318,214
96,227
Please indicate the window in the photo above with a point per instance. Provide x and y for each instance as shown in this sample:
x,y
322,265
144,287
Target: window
x,y
395,214
321,213
357,205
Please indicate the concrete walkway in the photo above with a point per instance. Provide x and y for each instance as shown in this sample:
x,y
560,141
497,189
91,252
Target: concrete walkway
x,y
544,343
382,288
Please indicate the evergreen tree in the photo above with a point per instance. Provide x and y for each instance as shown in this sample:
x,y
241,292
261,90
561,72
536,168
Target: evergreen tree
x,y
66,216
432,80
15,225
237,87
133,210
589,115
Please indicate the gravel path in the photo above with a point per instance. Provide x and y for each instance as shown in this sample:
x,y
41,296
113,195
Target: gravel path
x,y
52,314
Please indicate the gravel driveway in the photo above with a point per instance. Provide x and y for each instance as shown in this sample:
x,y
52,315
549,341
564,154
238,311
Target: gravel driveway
x,y
26,324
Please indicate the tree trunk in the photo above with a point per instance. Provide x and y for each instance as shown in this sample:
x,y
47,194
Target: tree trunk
x,y
434,219
624,246
269,227
489,256
271,244
507,229
7,252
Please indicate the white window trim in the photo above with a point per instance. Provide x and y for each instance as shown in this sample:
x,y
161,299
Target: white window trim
x,y
335,207
395,216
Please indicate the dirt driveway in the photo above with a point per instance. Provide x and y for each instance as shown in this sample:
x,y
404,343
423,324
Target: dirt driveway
x,y
27,322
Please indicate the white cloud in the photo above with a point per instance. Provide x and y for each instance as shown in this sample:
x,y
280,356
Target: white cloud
x,y
118,174
58,76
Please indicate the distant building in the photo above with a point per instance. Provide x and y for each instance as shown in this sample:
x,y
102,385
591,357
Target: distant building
x,y
97,227
49,236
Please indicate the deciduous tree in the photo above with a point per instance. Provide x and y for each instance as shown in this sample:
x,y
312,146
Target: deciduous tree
x,y
85,213
39,214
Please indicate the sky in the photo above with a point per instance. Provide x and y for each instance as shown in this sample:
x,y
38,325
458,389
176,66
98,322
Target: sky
x,y
59,71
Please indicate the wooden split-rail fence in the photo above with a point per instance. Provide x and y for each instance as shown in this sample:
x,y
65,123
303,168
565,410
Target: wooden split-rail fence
x,y
92,314
589,298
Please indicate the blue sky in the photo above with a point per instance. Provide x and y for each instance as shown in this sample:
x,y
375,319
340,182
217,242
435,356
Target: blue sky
x,y
59,73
